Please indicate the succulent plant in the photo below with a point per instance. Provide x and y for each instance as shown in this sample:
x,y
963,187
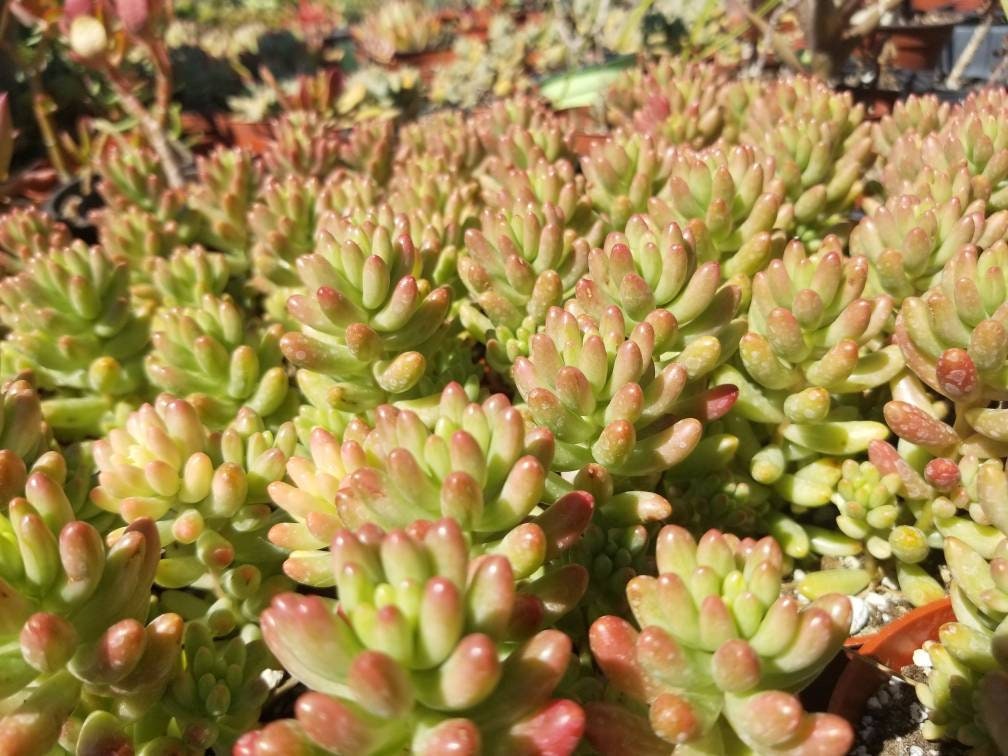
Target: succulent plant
x,y
283,223
186,276
399,27
489,476
648,267
809,324
446,138
432,669
954,340
366,318
518,266
71,324
624,172
718,657
608,398
303,144
73,621
557,183
431,194
736,196
965,687
134,176
207,493
213,357
678,101
369,148
909,239
227,182
917,114
218,693
26,232
136,236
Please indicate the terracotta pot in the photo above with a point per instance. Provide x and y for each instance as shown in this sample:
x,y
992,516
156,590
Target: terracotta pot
x,y
254,137
893,647
426,62
918,48
75,207
962,6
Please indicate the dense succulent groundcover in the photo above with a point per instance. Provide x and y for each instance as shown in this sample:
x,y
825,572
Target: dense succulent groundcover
x,y
459,441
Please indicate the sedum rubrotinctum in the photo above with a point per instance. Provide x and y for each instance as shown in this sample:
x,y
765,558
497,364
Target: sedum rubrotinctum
x,y
955,339
212,356
70,321
519,264
609,397
368,320
718,657
473,462
967,687
208,494
428,649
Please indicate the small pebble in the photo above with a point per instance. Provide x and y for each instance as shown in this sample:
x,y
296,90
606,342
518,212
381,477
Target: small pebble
x,y
915,751
859,614
887,582
271,677
799,575
883,697
922,659
873,703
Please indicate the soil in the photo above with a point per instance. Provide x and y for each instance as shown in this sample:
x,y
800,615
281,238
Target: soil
x,y
891,723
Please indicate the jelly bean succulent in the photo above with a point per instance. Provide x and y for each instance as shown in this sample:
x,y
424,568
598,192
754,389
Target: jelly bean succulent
x,y
427,650
605,393
954,339
213,357
718,657
70,322
510,430
208,494
367,319
965,687
473,462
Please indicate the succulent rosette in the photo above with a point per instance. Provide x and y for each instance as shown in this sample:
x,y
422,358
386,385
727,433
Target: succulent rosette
x,y
648,267
367,319
735,195
427,649
26,232
226,185
917,114
909,239
608,397
556,183
369,149
208,494
73,622
185,277
213,357
431,194
515,268
71,323
283,222
718,657
812,323
965,689
624,172
473,462
303,144
954,338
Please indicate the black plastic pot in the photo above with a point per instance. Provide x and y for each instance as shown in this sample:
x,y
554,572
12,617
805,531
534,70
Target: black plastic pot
x,y
72,205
